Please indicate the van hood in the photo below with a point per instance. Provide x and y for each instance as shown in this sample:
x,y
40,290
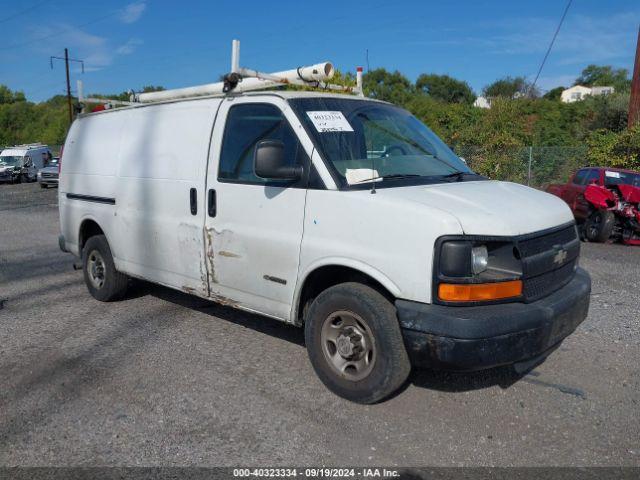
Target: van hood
x,y
489,207
5,168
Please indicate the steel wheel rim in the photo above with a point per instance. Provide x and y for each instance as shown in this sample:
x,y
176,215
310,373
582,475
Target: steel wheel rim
x,y
348,345
95,268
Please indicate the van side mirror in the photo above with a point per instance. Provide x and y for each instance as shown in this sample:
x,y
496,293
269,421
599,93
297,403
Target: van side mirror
x,y
268,162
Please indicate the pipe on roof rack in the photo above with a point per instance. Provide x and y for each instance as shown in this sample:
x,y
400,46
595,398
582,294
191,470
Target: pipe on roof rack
x,y
253,80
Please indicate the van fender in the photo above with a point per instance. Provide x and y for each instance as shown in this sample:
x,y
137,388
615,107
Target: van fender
x,y
358,265
84,218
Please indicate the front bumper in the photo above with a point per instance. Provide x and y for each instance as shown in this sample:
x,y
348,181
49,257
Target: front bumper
x,y
48,181
476,338
8,178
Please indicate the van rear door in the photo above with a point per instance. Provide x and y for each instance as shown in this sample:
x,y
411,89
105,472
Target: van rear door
x,y
253,227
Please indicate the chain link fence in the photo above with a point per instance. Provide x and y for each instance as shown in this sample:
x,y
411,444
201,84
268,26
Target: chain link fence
x,y
533,166
55,150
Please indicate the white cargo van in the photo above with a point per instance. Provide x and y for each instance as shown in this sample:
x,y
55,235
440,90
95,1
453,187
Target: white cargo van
x,y
344,215
22,162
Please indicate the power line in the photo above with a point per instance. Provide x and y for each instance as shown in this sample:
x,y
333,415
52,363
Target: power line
x,y
546,55
21,12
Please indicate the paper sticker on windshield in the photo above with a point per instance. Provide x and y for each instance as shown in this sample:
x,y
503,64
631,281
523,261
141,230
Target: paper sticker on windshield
x,y
361,175
326,121
608,173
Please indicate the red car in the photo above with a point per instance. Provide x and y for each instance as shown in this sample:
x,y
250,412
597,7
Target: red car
x,y
605,203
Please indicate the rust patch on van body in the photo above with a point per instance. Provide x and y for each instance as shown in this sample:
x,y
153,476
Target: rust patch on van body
x,y
227,302
189,290
209,234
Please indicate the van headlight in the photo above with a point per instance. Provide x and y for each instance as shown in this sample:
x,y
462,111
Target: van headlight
x,y
479,259
475,269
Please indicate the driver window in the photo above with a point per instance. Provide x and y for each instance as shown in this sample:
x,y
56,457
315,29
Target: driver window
x,y
593,176
580,177
248,124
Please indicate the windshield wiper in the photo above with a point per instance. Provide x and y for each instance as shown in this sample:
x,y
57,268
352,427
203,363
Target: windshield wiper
x,y
457,175
385,177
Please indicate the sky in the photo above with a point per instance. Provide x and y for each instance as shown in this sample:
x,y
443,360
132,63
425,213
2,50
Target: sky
x,y
128,44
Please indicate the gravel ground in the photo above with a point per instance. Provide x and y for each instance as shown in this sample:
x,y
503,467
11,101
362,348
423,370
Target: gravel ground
x,y
163,378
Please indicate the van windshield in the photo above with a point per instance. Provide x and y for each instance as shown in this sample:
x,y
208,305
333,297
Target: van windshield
x,y
10,161
365,142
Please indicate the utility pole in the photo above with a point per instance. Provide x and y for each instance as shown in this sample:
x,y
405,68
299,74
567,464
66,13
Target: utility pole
x,y
66,66
634,101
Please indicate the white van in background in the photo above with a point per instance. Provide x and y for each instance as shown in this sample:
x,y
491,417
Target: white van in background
x,y
341,214
22,162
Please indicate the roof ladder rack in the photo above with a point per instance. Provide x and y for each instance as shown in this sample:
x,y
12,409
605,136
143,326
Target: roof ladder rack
x,y
240,80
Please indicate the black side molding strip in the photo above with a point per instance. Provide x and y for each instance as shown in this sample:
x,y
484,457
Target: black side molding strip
x,y
91,198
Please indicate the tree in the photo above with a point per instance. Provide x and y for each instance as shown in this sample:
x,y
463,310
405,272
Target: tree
x,y
510,87
8,96
554,93
610,149
605,76
389,86
152,88
609,112
445,88
125,96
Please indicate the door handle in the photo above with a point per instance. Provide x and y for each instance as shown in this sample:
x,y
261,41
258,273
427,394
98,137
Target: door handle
x,y
211,203
193,199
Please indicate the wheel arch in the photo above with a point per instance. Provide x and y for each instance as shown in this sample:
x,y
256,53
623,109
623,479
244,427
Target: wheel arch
x,y
89,227
329,272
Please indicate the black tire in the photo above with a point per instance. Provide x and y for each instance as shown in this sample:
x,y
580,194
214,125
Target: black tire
x,y
96,253
389,366
18,179
44,185
599,226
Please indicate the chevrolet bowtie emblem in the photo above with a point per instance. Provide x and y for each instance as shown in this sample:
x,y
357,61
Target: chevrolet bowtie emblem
x,y
560,257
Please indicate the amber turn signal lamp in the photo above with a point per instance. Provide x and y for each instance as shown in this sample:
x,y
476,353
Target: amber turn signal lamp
x,y
479,292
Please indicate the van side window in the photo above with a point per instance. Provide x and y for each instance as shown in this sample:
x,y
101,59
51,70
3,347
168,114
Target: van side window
x,y
247,125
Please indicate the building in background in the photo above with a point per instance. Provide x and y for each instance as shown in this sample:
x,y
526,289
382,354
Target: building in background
x,y
482,102
579,92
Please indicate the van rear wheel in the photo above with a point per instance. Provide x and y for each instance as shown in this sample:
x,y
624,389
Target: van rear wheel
x,y
355,344
104,282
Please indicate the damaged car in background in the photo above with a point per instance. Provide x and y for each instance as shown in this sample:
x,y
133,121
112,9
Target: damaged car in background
x,y
605,203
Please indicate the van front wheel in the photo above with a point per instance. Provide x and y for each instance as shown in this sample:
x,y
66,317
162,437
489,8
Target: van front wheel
x,y
354,343
104,282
